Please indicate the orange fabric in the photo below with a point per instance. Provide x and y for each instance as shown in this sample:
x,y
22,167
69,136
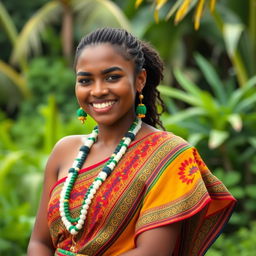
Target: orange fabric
x,y
160,180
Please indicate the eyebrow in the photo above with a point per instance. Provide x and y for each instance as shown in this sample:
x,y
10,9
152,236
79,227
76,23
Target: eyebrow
x,y
103,72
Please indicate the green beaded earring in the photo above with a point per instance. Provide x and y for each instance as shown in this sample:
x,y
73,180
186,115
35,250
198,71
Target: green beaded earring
x,y
141,109
81,115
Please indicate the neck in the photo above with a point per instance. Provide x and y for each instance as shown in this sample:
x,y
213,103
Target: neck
x,y
112,134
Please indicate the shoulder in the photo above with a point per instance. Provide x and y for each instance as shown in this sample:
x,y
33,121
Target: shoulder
x,y
171,140
164,136
165,148
63,148
69,141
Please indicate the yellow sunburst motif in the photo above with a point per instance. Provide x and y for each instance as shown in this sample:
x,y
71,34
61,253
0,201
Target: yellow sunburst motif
x,y
182,7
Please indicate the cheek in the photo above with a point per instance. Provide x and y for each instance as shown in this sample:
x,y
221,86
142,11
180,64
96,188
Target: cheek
x,y
81,95
76,89
77,92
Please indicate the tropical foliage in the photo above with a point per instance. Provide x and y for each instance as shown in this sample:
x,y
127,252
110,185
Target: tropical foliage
x,y
209,91
181,8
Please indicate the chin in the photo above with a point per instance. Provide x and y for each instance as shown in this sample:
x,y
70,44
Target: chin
x,y
111,120
105,120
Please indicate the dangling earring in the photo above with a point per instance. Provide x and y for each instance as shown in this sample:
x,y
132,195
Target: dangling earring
x,y
81,115
141,109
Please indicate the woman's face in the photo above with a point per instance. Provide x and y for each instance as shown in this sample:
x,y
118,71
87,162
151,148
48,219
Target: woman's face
x,y
106,85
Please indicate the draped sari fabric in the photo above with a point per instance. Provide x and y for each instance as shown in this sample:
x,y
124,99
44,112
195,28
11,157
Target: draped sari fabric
x,y
160,180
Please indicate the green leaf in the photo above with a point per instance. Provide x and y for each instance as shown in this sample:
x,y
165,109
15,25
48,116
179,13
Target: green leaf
x,y
7,24
237,192
216,138
212,78
232,34
195,138
219,172
246,104
251,191
17,79
29,38
96,13
231,178
7,163
178,94
252,141
253,168
250,204
173,9
183,115
5,138
236,122
239,219
237,95
186,84
208,103
51,115
5,244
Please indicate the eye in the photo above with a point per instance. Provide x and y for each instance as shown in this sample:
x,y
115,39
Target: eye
x,y
84,81
113,78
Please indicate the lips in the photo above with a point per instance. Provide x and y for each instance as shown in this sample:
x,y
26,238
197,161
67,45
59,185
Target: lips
x,y
103,105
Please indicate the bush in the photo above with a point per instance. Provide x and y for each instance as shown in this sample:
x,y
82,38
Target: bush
x,y
241,243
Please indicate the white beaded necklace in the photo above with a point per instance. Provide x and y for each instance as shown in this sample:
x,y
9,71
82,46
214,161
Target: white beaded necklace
x,y
73,225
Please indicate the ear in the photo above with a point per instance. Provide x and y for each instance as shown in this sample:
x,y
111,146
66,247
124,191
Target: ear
x,y
141,80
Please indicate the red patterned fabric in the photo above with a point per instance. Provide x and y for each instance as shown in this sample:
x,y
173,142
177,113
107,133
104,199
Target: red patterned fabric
x,y
160,180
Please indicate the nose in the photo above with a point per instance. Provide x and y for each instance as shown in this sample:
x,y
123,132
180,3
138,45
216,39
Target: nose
x,y
99,89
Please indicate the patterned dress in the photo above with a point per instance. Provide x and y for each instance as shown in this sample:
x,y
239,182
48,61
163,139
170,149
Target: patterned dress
x,y
160,180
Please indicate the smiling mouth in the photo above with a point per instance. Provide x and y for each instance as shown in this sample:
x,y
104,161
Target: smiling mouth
x,y
103,104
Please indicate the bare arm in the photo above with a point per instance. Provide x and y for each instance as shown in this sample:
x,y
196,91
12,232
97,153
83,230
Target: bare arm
x,y
40,242
156,242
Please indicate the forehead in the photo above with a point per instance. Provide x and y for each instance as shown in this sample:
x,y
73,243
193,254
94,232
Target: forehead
x,y
102,56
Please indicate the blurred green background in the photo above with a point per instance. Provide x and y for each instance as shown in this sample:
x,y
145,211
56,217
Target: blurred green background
x,y
209,90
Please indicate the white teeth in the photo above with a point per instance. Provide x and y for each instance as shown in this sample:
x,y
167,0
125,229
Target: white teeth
x,y
103,105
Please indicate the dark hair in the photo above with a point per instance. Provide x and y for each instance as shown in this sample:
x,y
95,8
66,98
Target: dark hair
x,y
143,55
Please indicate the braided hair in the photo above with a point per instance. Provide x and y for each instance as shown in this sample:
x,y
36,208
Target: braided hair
x,y
143,55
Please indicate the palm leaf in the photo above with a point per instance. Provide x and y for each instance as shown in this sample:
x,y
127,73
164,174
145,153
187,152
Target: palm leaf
x,y
212,78
183,115
195,138
186,84
178,94
232,34
88,8
182,8
203,98
208,102
159,5
138,3
173,9
16,78
116,12
7,24
246,104
237,96
236,122
5,138
198,13
216,138
29,39
6,167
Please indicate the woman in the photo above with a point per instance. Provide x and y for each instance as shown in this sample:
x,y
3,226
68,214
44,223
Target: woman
x,y
153,195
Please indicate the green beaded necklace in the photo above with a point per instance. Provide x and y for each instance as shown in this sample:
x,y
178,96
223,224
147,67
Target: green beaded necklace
x,y
73,225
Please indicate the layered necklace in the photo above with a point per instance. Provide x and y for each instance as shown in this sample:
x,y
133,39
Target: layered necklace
x,y
73,225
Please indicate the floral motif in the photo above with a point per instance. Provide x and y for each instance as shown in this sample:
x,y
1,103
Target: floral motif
x,y
188,168
198,159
